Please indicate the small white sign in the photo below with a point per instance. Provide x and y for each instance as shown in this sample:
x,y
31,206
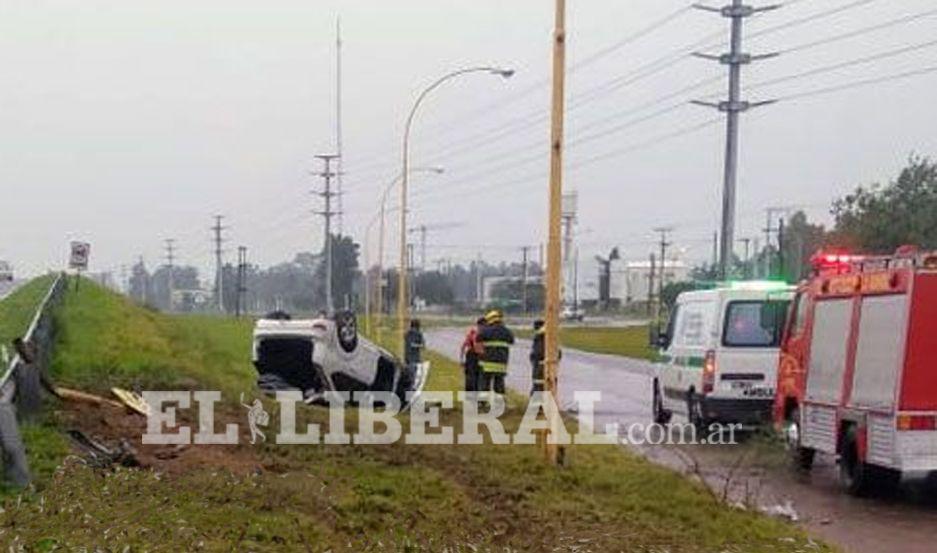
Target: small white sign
x,y
79,255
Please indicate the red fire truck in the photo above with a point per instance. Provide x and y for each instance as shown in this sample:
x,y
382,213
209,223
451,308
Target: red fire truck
x,y
857,374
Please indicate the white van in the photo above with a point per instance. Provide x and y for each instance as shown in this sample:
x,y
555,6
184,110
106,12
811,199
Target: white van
x,y
719,355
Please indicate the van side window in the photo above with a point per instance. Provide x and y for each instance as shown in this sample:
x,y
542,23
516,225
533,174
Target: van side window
x,y
754,323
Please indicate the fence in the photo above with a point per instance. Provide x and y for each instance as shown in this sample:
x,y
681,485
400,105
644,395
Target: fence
x,y
21,386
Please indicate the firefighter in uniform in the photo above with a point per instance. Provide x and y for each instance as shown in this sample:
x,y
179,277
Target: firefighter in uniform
x,y
496,340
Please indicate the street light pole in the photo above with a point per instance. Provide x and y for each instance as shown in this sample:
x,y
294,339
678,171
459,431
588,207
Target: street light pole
x,y
380,255
403,314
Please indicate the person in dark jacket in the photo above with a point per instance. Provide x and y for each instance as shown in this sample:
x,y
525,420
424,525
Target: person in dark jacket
x,y
413,345
471,348
496,341
537,356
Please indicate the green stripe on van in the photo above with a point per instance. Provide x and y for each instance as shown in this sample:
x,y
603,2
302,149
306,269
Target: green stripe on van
x,y
693,361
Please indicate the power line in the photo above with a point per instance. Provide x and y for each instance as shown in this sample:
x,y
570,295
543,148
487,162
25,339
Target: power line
x,y
860,32
859,84
845,64
576,66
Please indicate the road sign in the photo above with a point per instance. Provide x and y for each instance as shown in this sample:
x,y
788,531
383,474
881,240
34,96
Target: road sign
x,y
79,256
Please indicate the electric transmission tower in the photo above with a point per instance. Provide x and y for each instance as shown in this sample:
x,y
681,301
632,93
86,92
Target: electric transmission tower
x,y
327,214
219,268
241,276
734,59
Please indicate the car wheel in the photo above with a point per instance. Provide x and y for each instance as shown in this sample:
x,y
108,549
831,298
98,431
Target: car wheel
x,y
801,457
346,328
661,415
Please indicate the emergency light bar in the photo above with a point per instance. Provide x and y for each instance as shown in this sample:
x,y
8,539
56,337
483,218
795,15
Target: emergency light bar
x,y
759,285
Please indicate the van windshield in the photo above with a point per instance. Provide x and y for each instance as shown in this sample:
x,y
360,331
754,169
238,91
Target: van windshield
x,y
754,324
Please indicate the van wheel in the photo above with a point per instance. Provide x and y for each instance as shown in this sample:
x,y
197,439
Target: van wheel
x,y
854,475
801,457
694,410
661,415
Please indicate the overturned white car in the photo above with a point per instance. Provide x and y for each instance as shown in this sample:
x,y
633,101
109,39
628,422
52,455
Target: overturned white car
x,y
321,355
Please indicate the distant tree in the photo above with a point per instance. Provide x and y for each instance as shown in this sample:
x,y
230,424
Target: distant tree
x,y
434,288
345,272
879,219
673,289
801,239
509,295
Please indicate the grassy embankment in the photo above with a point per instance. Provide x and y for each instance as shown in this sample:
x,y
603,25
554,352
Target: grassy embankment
x,y
354,497
627,341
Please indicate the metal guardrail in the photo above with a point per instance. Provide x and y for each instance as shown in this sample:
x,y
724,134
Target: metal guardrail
x,y
21,384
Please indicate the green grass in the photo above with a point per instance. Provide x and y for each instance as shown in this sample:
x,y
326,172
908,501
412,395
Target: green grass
x,y
628,341
105,340
349,498
17,309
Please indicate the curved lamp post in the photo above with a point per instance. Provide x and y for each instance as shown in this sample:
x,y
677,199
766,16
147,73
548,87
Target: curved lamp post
x,y
403,303
380,261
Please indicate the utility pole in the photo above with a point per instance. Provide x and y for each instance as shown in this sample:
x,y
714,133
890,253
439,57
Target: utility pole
x,y
327,194
478,279
734,59
338,122
664,244
241,275
745,260
650,286
715,249
554,254
781,240
170,258
526,277
770,214
219,268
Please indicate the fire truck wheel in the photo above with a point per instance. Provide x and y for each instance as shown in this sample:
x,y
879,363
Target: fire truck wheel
x,y
854,474
661,415
801,457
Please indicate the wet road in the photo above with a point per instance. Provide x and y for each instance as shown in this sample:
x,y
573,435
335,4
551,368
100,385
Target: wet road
x,y
905,521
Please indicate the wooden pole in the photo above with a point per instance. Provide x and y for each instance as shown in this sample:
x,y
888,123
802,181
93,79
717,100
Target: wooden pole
x,y
554,253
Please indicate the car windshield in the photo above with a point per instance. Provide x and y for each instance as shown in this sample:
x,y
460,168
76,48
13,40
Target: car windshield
x,y
754,323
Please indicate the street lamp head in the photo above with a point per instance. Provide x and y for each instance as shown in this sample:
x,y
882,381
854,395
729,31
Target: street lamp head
x,y
504,73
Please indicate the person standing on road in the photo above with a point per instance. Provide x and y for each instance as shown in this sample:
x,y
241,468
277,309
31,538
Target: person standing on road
x,y
471,348
536,358
496,339
537,354
413,346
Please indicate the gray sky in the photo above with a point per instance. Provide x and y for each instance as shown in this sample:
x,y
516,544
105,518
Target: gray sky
x,y
126,122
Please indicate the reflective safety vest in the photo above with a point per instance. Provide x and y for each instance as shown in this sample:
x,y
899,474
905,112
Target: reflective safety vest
x,y
496,340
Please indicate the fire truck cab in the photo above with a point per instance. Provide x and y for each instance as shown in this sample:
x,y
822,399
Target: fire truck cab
x,y
857,373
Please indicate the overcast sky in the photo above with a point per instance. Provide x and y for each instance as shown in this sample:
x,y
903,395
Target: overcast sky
x,y
125,122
